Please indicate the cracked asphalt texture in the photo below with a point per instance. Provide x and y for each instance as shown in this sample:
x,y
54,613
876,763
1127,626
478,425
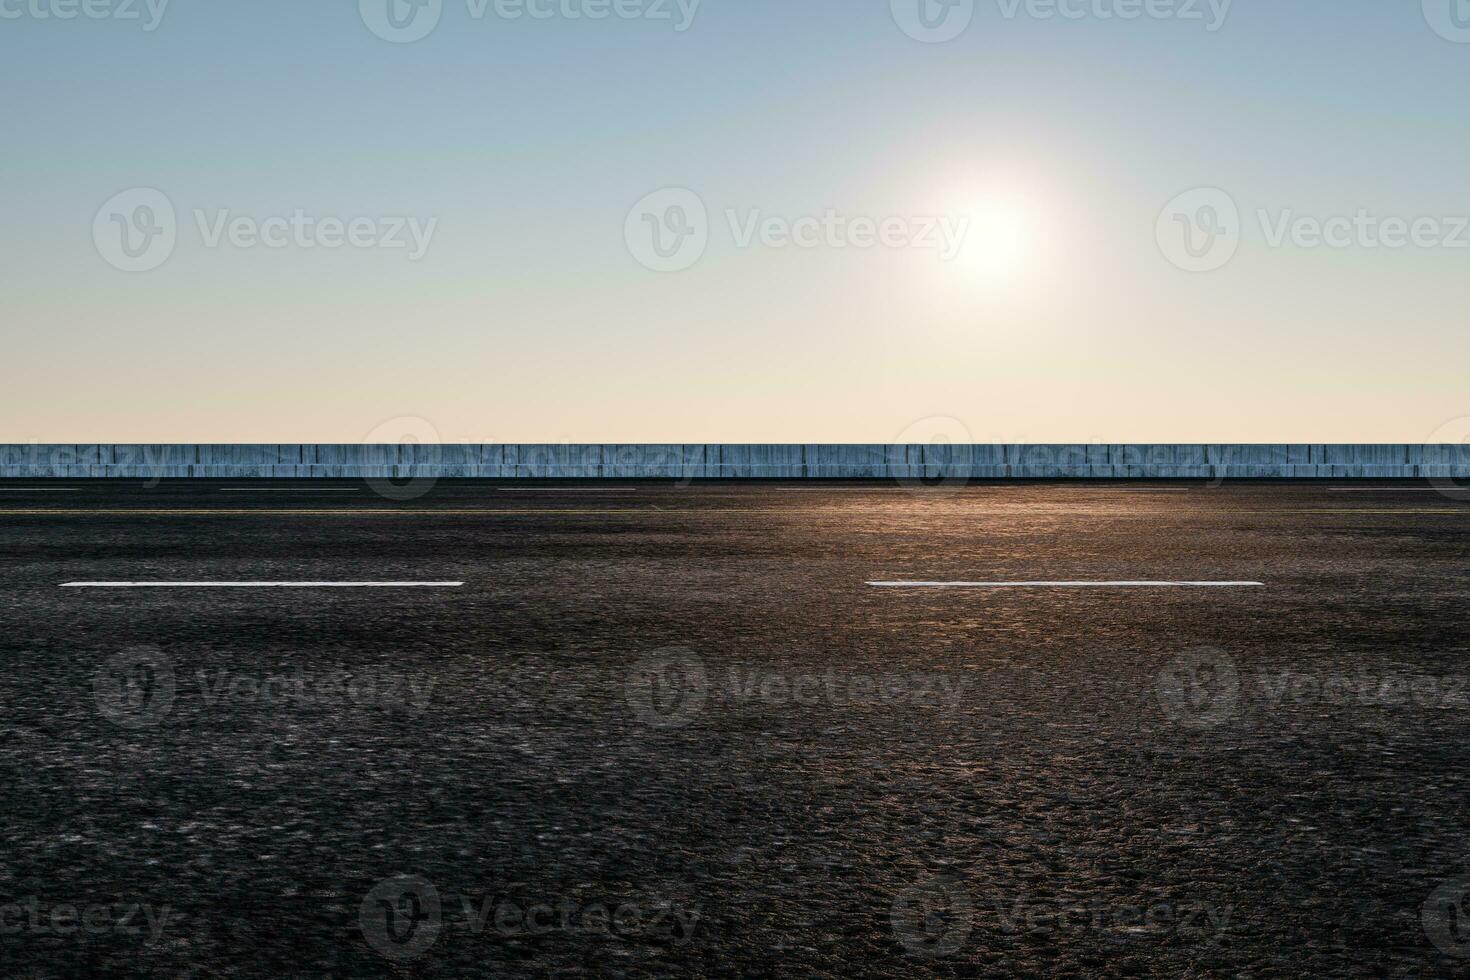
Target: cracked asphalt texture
x,y
668,731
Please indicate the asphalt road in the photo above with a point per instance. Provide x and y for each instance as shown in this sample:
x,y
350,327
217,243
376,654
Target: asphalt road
x,y
500,731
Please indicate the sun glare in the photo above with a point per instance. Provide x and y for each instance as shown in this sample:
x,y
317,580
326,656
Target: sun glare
x,y
997,243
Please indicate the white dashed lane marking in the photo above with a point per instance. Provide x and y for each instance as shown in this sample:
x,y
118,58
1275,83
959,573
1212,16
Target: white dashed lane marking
x,y
290,489
1064,585
261,585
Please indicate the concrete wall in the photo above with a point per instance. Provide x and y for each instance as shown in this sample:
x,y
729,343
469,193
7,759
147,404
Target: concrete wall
x,y
712,461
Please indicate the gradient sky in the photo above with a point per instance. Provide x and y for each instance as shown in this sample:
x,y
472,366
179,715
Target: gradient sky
x,y
529,319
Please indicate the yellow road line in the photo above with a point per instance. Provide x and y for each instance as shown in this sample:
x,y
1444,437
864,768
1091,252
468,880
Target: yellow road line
x,y
1049,510
1453,512
332,512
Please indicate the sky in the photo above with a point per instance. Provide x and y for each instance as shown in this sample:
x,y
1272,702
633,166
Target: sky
x,y
735,220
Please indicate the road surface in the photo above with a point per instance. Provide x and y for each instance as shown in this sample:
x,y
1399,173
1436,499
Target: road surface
x,y
270,729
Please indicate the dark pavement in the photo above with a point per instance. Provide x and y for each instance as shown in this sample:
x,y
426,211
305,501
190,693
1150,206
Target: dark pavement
x,y
672,731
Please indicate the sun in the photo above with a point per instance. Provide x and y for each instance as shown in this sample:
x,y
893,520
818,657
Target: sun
x,y
1006,257
998,241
